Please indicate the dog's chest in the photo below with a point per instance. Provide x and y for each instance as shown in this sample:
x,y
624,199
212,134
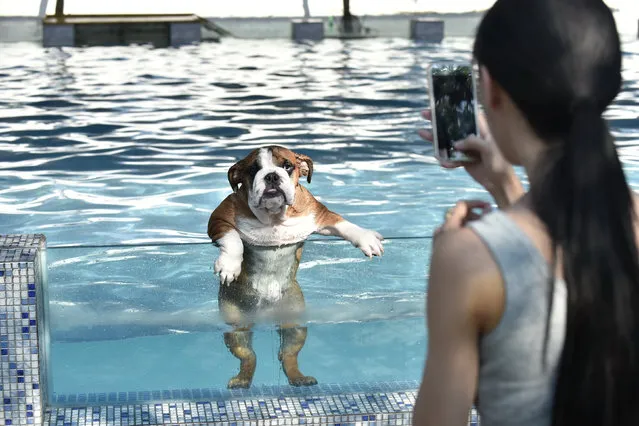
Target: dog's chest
x,y
270,271
291,231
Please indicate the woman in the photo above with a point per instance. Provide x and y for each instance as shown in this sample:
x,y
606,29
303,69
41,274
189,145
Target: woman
x,y
533,309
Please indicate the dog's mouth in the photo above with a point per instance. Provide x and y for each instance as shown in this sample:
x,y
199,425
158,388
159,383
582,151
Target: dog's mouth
x,y
272,192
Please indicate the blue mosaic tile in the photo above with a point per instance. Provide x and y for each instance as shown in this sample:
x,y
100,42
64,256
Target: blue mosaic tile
x,y
361,408
23,332
255,391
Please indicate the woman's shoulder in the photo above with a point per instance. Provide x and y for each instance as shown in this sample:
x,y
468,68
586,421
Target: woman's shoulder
x,y
463,268
451,246
468,242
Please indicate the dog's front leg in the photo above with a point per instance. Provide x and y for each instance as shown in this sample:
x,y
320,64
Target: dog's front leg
x,y
368,241
229,263
224,235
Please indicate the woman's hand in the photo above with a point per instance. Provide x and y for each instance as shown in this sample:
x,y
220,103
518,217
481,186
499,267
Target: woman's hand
x,y
462,213
490,170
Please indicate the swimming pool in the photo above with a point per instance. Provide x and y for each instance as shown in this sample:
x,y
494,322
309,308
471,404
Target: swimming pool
x,y
119,155
132,145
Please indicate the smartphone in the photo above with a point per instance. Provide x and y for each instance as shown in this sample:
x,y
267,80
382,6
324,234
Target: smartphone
x,y
453,102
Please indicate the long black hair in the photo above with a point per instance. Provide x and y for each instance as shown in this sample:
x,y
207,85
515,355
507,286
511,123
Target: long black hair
x,y
560,63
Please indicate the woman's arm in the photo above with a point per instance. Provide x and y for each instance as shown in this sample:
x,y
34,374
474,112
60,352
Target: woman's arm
x,y
508,192
461,300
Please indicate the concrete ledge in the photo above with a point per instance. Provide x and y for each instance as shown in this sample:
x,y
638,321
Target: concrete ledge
x,y
185,33
58,35
427,29
113,30
307,29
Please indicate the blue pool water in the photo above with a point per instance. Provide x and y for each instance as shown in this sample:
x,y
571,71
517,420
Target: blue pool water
x,y
119,155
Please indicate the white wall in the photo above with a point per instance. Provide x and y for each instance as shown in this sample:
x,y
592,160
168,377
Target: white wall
x,y
263,8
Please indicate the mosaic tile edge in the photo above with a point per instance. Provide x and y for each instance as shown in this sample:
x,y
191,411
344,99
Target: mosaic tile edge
x,y
23,362
392,408
256,391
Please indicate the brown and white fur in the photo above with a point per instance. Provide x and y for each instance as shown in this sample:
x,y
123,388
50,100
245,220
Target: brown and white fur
x,y
260,230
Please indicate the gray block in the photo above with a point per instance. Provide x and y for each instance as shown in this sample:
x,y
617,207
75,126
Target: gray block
x,y
58,35
427,29
307,29
185,33
24,333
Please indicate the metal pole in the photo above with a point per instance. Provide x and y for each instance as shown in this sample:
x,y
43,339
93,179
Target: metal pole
x,y
43,8
307,12
347,18
59,8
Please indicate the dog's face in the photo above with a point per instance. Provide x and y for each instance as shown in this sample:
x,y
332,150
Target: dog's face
x,y
270,176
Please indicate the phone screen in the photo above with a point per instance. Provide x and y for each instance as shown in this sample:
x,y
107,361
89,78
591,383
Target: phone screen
x,y
454,107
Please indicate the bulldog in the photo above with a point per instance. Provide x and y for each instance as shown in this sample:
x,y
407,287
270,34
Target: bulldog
x,y
260,230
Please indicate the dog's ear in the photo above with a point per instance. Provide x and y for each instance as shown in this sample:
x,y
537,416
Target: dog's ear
x,y
235,174
305,164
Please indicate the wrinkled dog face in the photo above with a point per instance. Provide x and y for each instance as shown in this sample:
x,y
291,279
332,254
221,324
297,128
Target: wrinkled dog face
x,y
273,187
270,174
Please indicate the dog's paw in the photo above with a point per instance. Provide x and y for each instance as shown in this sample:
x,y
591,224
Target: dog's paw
x,y
369,242
238,382
303,381
228,267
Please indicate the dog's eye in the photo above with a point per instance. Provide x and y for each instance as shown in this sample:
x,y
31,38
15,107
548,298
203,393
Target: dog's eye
x,y
288,167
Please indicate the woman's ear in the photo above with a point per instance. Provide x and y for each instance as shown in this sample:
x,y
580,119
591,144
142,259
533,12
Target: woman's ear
x,y
490,93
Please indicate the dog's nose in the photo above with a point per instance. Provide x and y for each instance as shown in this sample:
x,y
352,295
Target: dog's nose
x,y
272,178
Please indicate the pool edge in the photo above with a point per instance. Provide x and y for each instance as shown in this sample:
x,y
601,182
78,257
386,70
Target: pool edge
x,y
366,408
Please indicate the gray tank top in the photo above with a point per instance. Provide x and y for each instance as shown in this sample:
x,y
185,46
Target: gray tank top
x,y
514,387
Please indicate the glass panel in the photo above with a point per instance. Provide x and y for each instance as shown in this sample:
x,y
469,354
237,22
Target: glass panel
x,y
126,319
